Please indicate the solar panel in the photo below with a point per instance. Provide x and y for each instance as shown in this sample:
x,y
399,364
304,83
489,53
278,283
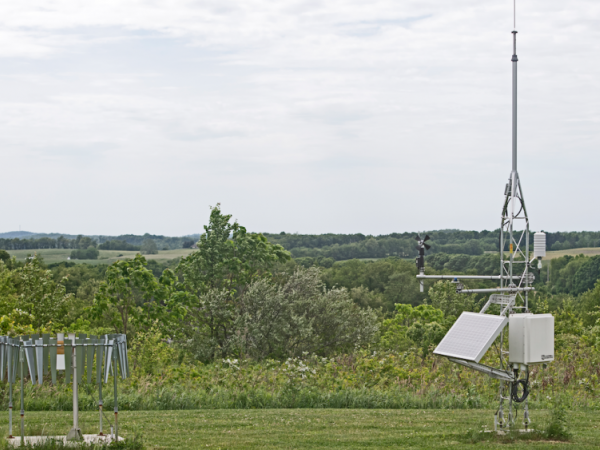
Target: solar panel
x,y
471,336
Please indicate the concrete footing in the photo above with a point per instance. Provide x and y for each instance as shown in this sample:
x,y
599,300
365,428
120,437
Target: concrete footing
x,y
87,438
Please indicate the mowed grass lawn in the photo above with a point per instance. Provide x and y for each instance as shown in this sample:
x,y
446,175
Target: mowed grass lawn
x,y
310,428
106,256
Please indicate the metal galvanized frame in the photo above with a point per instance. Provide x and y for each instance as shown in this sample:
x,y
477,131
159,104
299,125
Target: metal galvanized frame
x,y
33,354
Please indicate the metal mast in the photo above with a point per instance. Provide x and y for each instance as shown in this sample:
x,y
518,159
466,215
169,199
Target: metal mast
x,y
514,214
511,296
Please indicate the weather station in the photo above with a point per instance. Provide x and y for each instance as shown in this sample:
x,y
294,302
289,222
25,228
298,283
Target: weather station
x,y
530,336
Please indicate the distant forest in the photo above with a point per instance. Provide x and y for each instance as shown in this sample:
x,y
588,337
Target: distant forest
x,y
333,247
123,242
340,247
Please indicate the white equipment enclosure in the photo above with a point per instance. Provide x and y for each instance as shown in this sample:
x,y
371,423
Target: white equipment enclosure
x,y
531,338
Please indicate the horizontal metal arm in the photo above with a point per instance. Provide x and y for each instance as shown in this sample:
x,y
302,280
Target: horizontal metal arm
x,y
494,373
468,277
504,289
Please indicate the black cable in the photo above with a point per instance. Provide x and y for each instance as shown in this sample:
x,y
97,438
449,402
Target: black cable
x,y
515,389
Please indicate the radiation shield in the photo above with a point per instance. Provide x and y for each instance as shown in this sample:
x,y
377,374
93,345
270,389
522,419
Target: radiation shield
x,y
68,360
39,359
29,355
53,358
2,357
80,358
109,350
45,352
60,351
471,336
91,345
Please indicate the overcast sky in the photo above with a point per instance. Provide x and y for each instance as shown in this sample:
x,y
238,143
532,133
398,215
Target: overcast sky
x,y
133,116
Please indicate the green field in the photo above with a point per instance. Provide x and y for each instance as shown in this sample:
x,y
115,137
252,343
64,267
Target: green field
x,y
106,256
311,428
109,256
587,251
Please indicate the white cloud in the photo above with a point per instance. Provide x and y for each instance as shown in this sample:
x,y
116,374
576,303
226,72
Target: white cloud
x,y
307,116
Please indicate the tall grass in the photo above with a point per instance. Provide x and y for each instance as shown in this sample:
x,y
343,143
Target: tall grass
x,y
360,380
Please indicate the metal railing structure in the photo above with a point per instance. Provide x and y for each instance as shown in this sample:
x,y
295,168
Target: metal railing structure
x,y
41,358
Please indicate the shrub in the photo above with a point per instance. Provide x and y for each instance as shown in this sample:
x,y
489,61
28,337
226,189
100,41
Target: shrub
x,y
148,247
88,253
557,428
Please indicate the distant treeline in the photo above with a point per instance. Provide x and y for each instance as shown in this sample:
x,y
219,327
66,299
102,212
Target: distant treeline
x,y
348,246
337,247
124,242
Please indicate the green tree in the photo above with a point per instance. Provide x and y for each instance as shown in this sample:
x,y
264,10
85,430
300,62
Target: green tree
x,y
132,295
443,296
216,275
587,275
366,298
148,247
88,253
228,257
84,242
32,290
420,326
402,287
589,306
300,316
392,277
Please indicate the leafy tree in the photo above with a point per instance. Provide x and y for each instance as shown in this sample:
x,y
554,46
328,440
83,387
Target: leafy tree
x,y
89,253
132,295
188,244
4,256
227,261
318,262
62,242
32,291
587,275
366,298
457,263
117,244
567,321
228,257
443,296
488,264
424,336
589,306
8,290
421,326
150,353
402,287
392,277
75,275
149,247
84,242
16,323
298,317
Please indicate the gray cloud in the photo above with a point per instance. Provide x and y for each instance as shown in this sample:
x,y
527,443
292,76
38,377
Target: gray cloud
x,y
307,116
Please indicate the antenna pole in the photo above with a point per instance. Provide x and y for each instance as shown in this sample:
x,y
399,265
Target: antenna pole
x,y
514,102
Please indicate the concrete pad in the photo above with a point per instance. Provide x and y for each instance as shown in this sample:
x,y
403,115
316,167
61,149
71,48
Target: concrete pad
x,y
87,438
